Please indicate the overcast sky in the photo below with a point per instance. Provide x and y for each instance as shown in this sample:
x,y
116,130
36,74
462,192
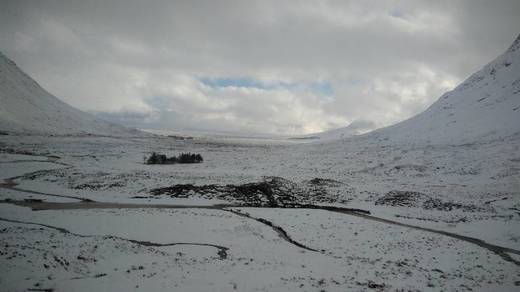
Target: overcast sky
x,y
280,67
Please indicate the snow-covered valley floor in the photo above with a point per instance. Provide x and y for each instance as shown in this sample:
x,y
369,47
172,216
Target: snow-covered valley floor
x,y
85,213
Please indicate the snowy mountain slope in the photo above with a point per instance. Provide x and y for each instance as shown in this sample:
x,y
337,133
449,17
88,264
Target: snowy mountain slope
x,y
486,106
28,108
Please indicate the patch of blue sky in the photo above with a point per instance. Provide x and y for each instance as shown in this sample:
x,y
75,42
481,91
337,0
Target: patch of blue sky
x,y
397,13
356,81
320,87
232,82
324,88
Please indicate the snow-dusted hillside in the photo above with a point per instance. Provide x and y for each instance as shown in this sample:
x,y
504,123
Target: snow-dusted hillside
x,y
25,107
486,106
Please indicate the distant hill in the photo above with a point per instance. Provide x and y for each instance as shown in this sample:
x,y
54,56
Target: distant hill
x,y
357,127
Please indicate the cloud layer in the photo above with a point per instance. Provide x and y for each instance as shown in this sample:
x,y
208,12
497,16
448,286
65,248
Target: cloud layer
x,y
281,67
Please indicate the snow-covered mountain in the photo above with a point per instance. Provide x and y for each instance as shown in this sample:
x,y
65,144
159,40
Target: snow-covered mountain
x,y
25,107
486,106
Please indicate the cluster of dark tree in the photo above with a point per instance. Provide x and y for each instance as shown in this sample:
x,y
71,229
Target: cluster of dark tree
x,y
156,158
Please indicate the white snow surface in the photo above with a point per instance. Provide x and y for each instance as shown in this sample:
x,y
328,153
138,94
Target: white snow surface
x,y
462,178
